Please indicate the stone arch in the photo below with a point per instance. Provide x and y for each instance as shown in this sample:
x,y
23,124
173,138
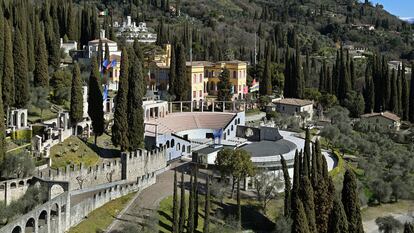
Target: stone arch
x,y
178,147
13,185
30,225
42,220
56,190
172,143
2,187
54,211
17,229
21,183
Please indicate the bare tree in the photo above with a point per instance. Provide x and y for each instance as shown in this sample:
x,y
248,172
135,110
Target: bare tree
x,y
267,185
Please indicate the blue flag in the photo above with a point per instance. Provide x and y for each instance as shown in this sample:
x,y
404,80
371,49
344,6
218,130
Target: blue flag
x,y
105,93
105,63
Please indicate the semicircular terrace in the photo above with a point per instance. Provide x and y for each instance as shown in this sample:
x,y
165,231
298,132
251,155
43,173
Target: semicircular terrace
x,y
177,122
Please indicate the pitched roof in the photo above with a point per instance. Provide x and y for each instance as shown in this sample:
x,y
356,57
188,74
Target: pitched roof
x,y
388,115
294,102
104,40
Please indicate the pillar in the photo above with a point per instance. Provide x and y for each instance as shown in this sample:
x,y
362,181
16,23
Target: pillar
x,y
224,106
191,106
181,106
212,106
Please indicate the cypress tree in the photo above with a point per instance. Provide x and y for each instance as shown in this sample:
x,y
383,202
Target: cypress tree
x,y
190,221
404,95
172,75
95,101
408,228
338,222
41,75
21,79
307,154
100,53
300,221
196,197
296,179
206,227
267,75
369,92
323,197
314,173
224,86
399,91
307,197
411,99
176,213
76,97
30,47
2,40
183,207
72,28
393,104
288,187
120,127
2,127
107,52
8,69
183,86
351,203
135,111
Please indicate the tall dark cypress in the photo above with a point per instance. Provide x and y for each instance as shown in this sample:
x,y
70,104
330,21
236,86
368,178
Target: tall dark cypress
x,y
176,213
314,169
206,227
300,221
107,51
404,95
30,46
172,75
306,195
408,228
323,196
190,221
393,104
266,87
2,39
224,86
369,92
135,115
411,99
351,203
120,127
8,69
95,101
307,154
2,127
183,86
296,179
41,74
338,222
21,78
76,97
181,225
100,53
288,187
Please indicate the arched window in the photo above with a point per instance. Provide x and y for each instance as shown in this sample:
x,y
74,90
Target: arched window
x,y
178,147
172,143
168,144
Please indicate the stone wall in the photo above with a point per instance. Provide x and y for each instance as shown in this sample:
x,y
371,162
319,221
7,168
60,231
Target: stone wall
x,y
12,190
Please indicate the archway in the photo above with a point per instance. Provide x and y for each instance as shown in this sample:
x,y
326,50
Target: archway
x,y
42,221
17,229
21,183
13,185
54,218
56,190
22,119
30,226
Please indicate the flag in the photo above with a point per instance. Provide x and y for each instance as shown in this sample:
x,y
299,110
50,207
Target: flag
x,y
113,63
105,63
105,92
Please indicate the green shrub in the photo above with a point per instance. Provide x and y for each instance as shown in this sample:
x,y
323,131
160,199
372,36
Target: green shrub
x,y
24,134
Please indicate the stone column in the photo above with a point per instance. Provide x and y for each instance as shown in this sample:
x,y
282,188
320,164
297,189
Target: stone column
x,y
181,106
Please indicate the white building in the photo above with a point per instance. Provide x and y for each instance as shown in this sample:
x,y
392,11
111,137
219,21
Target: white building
x,y
68,46
93,46
131,31
293,107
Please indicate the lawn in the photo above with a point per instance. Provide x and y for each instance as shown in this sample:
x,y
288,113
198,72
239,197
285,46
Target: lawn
x,y
99,219
401,207
253,111
34,114
252,218
73,151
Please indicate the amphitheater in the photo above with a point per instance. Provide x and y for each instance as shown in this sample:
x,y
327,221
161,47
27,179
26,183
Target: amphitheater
x,y
170,133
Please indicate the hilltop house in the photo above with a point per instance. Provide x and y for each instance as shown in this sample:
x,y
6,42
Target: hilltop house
x,y
385,119
293,107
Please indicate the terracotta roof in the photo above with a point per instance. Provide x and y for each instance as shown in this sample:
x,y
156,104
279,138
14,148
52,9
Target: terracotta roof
x,y
388,115
294,102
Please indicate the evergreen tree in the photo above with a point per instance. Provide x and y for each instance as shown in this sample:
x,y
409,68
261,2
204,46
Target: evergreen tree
x,y
2,127
30,47
183,85
296,179
72,28
76,97
183,207
351,203
288,187
307,154
41,75
408,228
300,221
2,40
393,105
323,196
224,86
120,127
95,101
369,92
172,75
338,222
107,52
411,99
8,69
307,196
21,79
135,114
176,213
100,53
266,82
404,95
190,221
206,227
